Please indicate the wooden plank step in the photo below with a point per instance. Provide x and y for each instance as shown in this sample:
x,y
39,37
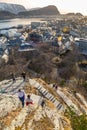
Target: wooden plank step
x,y
45,93
59,107
52,99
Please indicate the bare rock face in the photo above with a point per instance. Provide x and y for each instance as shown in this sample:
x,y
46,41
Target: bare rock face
x,y
8,104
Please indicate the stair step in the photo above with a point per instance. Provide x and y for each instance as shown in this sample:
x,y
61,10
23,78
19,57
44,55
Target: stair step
x,y
52,99
42,91
49,96
45,93
56,103
38,87
59,106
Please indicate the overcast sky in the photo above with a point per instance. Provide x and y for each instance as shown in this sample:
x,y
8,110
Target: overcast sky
x,y
63,6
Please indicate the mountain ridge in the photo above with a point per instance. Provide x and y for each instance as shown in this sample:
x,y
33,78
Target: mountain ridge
x,y
48,10
16,10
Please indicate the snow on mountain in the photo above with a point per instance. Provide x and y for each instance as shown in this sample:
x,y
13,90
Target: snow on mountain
x,y
13,8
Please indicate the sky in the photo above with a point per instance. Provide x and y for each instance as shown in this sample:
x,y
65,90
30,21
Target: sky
x,y
64,6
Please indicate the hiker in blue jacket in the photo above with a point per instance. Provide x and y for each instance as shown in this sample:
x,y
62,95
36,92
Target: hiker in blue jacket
x,y
21,96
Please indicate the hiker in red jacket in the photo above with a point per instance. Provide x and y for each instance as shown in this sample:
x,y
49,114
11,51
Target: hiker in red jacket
x,y
29,103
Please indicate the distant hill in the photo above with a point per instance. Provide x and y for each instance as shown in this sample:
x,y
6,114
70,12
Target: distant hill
x,y
13,8
74,14
49,10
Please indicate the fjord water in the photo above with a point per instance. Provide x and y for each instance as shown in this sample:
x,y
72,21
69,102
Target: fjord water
x,y
14,22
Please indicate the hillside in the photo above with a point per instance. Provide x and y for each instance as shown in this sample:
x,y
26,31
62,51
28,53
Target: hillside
x,y
42,73
49,10
6,15
12,8
47,64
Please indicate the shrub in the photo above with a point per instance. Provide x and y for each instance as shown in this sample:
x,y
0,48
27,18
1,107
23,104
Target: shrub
x,y
78,122
62,83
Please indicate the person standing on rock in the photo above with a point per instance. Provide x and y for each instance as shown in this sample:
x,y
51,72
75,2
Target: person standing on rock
x,y
13,77
56,86
21,96
24,75
43,103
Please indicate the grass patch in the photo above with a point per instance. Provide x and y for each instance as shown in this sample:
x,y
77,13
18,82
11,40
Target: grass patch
x,y
43,124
